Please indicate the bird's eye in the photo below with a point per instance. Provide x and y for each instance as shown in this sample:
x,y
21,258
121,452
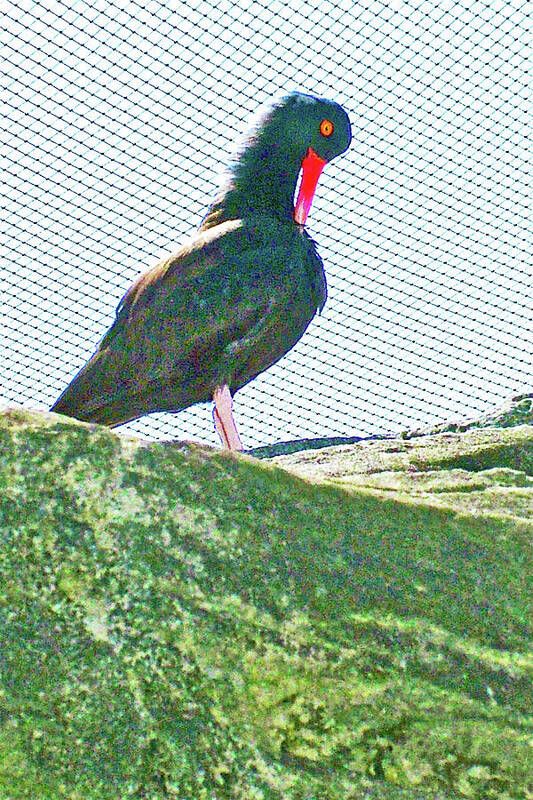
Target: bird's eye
x,y
326,127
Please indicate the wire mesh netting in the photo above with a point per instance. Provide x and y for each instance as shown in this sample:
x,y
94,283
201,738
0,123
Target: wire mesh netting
x,y
118,118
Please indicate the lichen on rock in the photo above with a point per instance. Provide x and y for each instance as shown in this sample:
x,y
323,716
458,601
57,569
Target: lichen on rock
x,y
181,623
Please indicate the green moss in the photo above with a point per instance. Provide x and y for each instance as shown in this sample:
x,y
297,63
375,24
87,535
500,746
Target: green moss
x,y
182,623
483,472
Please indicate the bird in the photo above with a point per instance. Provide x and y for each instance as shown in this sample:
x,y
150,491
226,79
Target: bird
x,y
233,300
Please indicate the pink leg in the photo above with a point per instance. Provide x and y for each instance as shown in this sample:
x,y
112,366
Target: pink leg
x,y
223,419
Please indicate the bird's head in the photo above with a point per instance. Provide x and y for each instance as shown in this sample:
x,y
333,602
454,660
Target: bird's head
x,y
319,131
296,131
302,121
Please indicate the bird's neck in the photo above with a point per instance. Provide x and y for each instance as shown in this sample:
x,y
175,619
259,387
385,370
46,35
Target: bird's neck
x,y
261,183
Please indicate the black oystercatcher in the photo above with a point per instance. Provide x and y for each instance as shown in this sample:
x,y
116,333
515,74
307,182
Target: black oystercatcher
x,y
208,319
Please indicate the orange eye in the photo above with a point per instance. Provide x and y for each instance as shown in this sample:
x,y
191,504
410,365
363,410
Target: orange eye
x,y
326,127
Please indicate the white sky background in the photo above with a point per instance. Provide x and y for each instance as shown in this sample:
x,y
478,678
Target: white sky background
x,y
118,118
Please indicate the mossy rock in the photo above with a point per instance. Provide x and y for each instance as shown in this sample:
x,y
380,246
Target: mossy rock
x,y
180,623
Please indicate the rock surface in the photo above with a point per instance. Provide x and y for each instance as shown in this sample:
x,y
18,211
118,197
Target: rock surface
x,y
179,623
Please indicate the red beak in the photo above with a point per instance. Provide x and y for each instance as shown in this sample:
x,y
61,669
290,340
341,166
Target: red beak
x,y
312,166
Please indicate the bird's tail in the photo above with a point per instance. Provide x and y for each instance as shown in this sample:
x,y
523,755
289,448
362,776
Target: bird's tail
x,y
98,394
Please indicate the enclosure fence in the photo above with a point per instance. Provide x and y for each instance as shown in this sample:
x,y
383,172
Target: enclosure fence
x,y
118,117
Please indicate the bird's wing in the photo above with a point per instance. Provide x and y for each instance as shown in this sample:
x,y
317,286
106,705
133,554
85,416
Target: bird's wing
x,y
215,288
172,275
193,309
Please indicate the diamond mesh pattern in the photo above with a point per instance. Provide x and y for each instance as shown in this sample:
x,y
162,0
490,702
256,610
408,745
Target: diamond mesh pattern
x,y
119,116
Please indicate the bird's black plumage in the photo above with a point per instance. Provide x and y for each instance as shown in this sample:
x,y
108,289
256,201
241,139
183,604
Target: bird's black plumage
x,y
231,302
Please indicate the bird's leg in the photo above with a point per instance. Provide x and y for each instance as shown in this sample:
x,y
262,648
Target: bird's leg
x,y
223,418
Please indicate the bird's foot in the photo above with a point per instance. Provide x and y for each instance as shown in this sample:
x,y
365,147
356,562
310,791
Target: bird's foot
x,y
223,418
